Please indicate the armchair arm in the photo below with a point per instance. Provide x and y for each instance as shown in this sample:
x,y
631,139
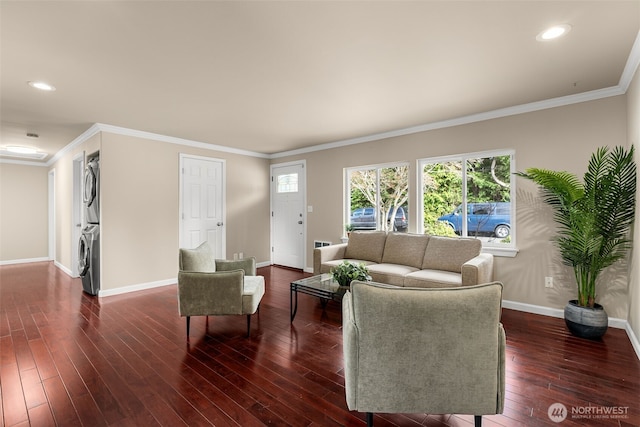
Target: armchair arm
x,y
203,294
478,270
246,264
327,253
350,350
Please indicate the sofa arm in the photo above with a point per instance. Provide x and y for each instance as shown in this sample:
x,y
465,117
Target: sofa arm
x,y
327,253
478,270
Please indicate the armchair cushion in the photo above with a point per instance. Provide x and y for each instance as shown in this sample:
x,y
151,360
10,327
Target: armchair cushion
x,y
199,259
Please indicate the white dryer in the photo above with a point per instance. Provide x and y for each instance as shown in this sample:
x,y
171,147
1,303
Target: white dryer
x,y
91,196
89,259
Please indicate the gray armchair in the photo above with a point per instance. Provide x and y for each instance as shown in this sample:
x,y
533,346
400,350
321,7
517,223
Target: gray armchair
x,y
424,350
210,287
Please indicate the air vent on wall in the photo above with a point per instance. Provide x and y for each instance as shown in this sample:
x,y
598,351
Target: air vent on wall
x,y
320,243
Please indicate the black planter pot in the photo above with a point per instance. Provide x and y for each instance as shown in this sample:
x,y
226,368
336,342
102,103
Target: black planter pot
x,y
586,322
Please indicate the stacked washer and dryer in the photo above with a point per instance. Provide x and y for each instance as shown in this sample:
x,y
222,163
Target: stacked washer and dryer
x,y
89,246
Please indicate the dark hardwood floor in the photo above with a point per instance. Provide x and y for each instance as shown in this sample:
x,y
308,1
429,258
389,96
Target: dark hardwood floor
x,y
70,359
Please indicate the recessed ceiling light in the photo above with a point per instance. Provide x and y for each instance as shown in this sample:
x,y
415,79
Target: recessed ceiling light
x,y
42,86
22,152
19,149
553,32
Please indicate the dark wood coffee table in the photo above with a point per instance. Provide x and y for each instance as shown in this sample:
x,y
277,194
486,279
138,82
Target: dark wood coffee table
x,y
322,286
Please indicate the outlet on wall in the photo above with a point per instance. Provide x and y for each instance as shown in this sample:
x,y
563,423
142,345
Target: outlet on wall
x,y
548,282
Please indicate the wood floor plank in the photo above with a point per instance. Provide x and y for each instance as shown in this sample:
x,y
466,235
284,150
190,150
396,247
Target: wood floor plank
x,y
68,358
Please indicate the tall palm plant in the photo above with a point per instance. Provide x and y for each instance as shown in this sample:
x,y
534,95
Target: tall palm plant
x,y
594,216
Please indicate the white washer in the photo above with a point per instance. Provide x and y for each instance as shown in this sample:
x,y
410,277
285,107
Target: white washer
x,y
89,259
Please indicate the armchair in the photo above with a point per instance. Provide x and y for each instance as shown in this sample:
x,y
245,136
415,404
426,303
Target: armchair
x,y
210,287
424,350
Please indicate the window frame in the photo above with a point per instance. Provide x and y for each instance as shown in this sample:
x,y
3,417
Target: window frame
x,y
347,185
498,249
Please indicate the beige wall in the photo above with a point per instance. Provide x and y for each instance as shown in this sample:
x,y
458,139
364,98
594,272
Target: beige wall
x,y
633,117
140,228
558,138
24,226
140,206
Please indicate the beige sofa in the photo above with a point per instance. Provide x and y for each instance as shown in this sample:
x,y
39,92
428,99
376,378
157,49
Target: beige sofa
x,y
411,260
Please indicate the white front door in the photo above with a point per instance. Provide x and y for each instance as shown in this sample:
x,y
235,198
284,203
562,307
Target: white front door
x,y
201,203
288,216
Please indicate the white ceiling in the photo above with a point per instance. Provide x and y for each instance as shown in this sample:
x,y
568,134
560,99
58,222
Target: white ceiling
x,y
272,77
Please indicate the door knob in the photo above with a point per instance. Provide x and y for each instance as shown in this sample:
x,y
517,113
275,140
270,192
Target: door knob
x,y
220,224
299,222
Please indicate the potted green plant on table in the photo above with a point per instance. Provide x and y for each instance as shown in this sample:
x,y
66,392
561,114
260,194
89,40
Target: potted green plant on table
x,y
346,272
594,217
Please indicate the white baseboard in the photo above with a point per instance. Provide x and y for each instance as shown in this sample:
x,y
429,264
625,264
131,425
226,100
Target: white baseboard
x,y
634,340
614,322
24,261
555,312
63,268
135,288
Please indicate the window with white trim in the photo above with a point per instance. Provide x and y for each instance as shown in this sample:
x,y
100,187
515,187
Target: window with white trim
x,y
470,195
377,197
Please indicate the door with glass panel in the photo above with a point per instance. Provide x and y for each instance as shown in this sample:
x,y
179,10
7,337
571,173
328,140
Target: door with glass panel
x,y
288,215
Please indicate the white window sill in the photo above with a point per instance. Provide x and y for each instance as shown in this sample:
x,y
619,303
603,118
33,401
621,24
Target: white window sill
x,y
501,252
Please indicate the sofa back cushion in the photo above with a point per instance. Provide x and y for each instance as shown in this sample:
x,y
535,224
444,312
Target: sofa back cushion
x,y
366,245
449,253
405,249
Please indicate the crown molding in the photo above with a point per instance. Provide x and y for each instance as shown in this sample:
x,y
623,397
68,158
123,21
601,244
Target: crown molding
x,y
632,65
179,141
84,136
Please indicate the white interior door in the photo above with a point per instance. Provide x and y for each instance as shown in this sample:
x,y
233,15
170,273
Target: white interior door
x,y
288,216
202,204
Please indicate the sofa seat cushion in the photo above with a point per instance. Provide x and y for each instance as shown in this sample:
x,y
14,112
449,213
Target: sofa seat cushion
x,y
328,265
449,253
405,248
433,279
392,274
366,245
